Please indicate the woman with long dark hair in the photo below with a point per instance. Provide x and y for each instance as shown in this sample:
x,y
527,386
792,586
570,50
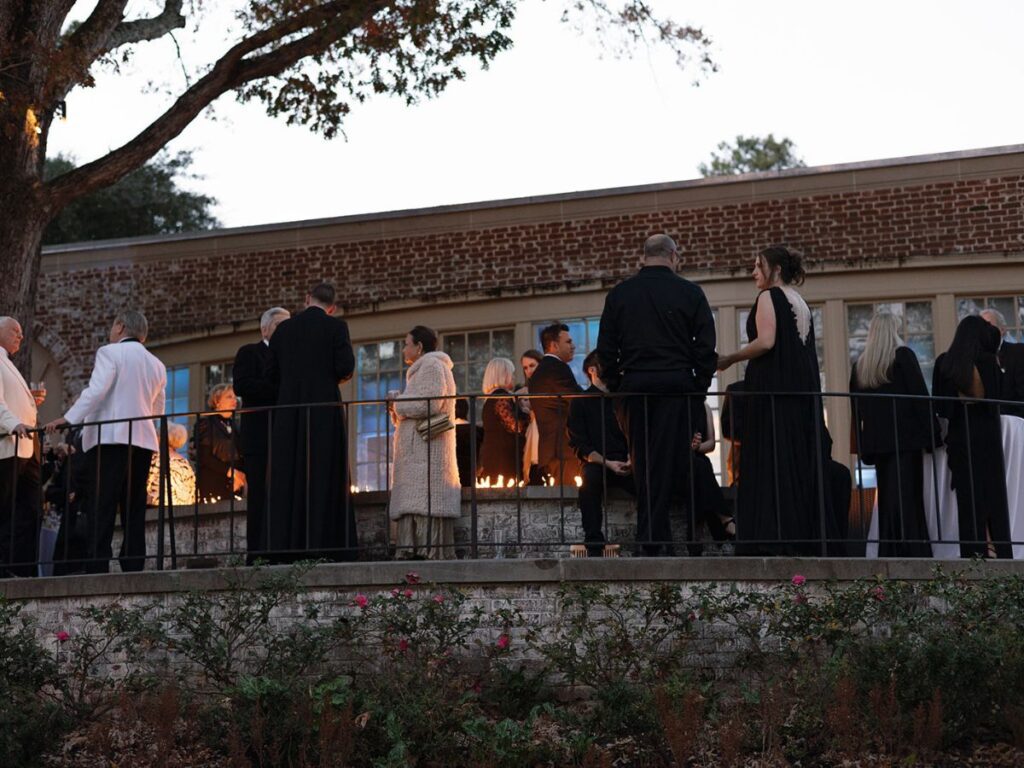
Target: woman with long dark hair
x,y
784,490
974,448
892,434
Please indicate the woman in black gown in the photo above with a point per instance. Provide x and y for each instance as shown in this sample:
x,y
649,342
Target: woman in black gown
x,y
219,462
892,434
784,491
974,446
504,425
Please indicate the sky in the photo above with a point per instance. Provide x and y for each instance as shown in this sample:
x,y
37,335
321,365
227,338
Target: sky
x,y
845,81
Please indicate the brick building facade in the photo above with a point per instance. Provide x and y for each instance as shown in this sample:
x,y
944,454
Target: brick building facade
x,y
933,234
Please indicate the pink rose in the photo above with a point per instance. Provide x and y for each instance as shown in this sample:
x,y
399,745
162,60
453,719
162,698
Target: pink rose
x,y
395,592
412,578
800,598
403,645
878,593
503,641
61,636
438,599
408,593
798,580
362,601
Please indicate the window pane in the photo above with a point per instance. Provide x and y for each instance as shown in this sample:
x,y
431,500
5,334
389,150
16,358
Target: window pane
x,y
390,354
858,318
455,346
503,344
918,318
965,307
479,344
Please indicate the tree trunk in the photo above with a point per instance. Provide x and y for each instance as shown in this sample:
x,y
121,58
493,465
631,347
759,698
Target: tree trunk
x,y
25,214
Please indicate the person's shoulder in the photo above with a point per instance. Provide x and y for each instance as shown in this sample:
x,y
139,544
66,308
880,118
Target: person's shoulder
x,y
906,356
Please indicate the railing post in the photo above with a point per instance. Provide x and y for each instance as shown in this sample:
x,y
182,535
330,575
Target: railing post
x,y
818,450
164,491
473,521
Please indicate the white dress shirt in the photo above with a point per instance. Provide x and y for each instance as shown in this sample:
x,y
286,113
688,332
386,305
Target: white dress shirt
x,y
17,406
127,381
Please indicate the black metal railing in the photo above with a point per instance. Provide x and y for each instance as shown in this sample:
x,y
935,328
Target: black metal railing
x,y
311,455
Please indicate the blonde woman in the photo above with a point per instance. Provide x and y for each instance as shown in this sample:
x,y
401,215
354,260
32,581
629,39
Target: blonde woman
x,y
218,459
426,495
504,424
894,446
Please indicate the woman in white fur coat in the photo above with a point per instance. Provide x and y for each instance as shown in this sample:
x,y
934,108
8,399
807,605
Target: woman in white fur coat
x,y
429,375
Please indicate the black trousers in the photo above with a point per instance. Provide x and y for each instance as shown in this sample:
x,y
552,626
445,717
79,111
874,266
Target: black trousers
x,y
117,481
20,513
659,430
595,476
255,505
901,517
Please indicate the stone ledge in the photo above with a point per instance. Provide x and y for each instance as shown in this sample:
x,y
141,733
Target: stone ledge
x,y
538,571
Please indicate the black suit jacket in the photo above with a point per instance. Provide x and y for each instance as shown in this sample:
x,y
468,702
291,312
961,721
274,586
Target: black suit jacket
x,y
312,356
1011,358
874,415
253,384
552,377
585,433
657,322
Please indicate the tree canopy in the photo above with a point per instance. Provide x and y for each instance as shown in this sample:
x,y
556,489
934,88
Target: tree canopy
x,y
148,201
307,61
751,154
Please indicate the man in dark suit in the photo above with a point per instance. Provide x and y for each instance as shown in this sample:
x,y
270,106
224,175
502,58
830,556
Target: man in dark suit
x,y
256,388
601,447
1011,360
310,510
552,377
658,337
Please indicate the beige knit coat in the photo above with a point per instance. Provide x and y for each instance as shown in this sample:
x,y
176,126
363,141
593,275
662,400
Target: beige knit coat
x,y
430,376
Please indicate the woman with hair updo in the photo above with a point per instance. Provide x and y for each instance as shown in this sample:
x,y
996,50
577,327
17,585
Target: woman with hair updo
x,y
784,470
974,444
893,434
426,495
504,424
218,459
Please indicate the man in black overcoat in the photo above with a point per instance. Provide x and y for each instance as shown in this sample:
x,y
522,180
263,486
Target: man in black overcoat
x,y
310,510
1011,360
253,383
554,376
657,337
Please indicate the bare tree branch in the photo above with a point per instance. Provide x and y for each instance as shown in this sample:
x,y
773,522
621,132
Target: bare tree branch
x,y
232,70
141,30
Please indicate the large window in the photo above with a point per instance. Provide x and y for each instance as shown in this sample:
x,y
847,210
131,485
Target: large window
x,y
470,351
1010,307
379,370
584,333
916,330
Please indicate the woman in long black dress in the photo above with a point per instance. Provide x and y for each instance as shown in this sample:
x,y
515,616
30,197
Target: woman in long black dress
x,y
784,491
974,446
504,425
892,434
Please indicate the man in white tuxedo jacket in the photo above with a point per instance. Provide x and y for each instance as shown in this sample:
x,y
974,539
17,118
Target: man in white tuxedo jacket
x,y
20,501
127,383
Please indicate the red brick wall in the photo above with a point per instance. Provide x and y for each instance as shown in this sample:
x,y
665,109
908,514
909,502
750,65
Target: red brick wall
x,y
180,296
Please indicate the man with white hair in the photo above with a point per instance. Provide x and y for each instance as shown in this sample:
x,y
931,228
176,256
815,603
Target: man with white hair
x,y
257,389
657,336
19,460
1011,359
126,390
